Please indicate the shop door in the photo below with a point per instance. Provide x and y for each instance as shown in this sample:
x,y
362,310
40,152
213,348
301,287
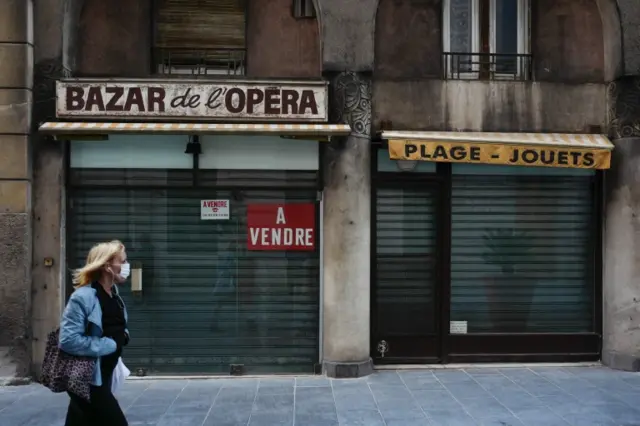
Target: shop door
x,y
208,305
405,311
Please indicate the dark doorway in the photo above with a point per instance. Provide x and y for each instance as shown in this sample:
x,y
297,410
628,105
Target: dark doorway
x,y
405,257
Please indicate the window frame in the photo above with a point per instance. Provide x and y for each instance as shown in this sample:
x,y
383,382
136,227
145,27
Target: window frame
x,y
524,31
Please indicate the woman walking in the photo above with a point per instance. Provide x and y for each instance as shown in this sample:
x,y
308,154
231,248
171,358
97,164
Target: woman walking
x,y
94,324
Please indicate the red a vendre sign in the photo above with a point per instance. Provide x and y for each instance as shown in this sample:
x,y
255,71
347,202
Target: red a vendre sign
x,y
281,227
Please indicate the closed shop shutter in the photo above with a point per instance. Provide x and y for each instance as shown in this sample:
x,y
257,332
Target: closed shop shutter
x,y
207,302
201,24
212,31
523,251
405,262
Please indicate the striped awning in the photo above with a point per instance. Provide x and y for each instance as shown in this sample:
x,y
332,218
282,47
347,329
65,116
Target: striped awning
x,y
522,149
61,128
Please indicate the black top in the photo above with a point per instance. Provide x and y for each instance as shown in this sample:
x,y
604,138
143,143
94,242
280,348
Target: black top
x,y
113,326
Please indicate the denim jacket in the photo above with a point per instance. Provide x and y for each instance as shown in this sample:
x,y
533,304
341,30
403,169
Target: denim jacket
x,y
81,328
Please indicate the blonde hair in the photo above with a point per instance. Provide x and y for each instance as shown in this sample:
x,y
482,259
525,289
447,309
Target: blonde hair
x,y
98,257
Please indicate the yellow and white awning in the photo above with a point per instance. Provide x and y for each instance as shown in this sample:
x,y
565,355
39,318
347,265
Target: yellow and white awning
x,y
89,128
517,149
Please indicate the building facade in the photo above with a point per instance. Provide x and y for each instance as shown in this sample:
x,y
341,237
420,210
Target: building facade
x,y
323,186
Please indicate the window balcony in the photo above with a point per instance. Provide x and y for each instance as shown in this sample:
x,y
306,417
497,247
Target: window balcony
x,y
487,66
200,62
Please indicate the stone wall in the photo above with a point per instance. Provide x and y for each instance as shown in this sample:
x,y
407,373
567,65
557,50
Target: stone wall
x,y
408,40
568,41
16,64
114,38
490,106
279,45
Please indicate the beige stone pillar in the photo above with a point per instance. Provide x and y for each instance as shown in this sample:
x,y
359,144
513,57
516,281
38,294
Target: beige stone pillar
x,y
16,77
621,281
56,23
621,284
347,233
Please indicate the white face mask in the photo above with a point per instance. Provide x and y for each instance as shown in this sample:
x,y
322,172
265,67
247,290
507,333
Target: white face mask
x,y
125,270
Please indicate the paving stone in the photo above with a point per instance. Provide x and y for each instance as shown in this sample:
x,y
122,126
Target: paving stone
x,y
545,396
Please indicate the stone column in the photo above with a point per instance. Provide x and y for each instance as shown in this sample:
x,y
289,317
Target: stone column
x,y
621,284
56,23
347,232
16,64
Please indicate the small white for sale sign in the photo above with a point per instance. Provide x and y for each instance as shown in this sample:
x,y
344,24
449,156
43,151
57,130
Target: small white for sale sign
x,y
214,209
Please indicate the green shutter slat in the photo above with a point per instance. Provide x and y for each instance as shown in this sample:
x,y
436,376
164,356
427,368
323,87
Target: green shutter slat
x,y
161,178
207,302
521,254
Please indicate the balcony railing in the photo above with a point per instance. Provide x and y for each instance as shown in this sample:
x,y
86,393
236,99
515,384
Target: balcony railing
x,y
487,66
200,62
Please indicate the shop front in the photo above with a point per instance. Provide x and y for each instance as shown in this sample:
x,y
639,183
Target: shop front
x,y
487,247
214,187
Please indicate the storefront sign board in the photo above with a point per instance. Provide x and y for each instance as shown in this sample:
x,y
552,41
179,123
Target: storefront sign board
x,y
214,209
226,100
505,154
281,227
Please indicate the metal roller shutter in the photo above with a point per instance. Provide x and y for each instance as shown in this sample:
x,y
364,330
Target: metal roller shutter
x,y
522,253
405,261
190,32
207,302
201,24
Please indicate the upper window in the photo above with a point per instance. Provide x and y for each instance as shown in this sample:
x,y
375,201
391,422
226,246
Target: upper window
x,y
303,9
486,39
200,37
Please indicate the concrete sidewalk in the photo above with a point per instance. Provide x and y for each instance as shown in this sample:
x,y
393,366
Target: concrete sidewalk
x,y
545,396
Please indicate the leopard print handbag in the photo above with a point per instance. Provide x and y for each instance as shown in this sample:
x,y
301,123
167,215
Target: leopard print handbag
x,y
62,372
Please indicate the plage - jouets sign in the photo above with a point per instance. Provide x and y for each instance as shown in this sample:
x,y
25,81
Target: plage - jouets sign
x,y
495,153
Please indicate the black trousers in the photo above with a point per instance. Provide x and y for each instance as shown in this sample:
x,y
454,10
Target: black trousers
x,y
103,410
